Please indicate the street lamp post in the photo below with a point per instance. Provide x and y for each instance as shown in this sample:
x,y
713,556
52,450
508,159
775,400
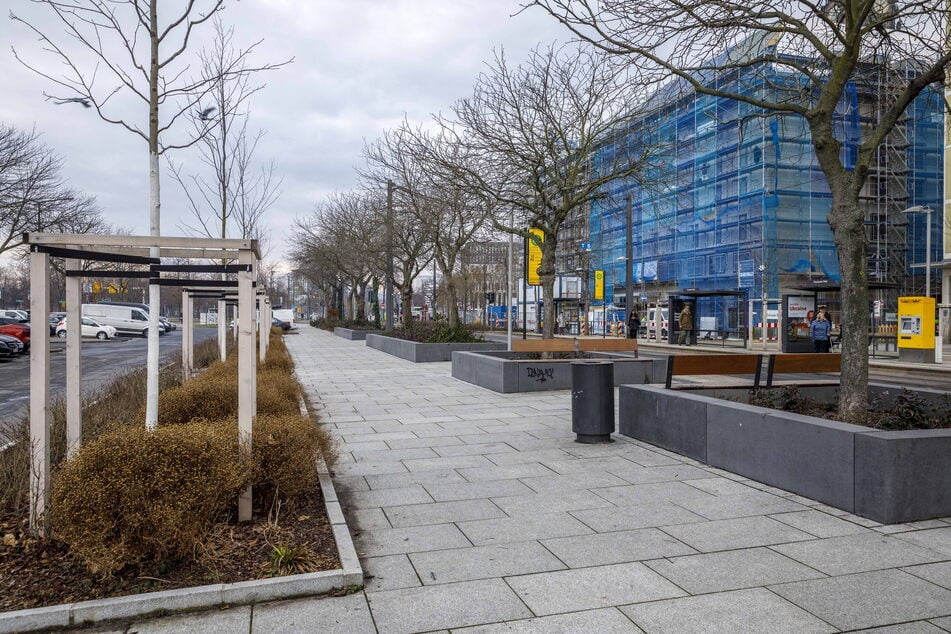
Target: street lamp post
x,y
388,288
629,256
921,209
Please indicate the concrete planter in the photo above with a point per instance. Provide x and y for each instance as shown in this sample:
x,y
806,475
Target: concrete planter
x,y
508,372
425,352
887,476
354,335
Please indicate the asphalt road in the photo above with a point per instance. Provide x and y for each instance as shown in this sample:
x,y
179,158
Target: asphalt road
x,y
101,361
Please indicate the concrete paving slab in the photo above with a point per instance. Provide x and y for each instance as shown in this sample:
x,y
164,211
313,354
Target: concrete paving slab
x,y
719,486
394,455
475,490
368,468
731,570
603,621
228,621
588,588
474,450
332,615
614,548
452,462
429,441
633,473
367,519
484,562
524,528
747,532
585,480
555,502
743,505
819,524
858,553
442,512
389,573
508,472
619,518
394,541
938,574
868,599
415,494
754,610
650,493
447,606
400,480
938,539
944,624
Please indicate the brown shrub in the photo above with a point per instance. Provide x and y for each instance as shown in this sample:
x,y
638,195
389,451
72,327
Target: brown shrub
x,y
139,497
213,394
277,358
284,451
279,393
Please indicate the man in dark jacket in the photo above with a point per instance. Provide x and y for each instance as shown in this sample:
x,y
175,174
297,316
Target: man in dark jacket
x,y
686,326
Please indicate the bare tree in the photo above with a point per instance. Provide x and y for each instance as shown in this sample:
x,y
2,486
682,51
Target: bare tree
x,y
235,198
33,193
528,139
113,51
447,213
817,50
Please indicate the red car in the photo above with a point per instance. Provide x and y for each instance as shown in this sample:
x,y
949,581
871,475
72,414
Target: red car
x,y
16,329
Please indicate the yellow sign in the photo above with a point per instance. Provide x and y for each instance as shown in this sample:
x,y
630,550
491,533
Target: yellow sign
x,y
96,287
599,284
916,323
535,257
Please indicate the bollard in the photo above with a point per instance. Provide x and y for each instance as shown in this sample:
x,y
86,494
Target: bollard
x,y
592,401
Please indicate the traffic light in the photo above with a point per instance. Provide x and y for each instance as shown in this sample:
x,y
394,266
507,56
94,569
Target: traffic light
x,y
490,298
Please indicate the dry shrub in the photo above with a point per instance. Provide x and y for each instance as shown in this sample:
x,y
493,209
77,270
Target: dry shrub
x,y
277,357
139,497
213,394
285,451
279,393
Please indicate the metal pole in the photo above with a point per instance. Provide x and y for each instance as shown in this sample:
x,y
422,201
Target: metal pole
x,y
509,287
434,286
629,267
388,287
928,252
525,289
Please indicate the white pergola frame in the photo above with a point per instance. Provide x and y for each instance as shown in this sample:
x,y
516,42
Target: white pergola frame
x,y
104,248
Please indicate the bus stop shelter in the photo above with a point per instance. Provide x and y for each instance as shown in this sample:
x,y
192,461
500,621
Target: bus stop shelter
x,y
718,316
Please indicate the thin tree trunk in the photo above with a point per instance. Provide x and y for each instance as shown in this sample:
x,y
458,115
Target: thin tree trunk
x,y
152,356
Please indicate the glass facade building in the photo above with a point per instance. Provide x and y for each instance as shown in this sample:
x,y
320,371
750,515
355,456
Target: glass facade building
x,y
735,198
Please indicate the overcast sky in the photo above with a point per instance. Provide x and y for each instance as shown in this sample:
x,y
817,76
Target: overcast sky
x,y
359,65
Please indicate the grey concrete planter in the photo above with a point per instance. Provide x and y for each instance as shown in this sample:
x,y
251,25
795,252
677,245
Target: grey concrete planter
x,y
425,352
508,372
887,476
354,335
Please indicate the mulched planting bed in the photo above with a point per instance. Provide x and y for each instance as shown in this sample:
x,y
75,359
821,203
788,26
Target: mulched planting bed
x,y
37,573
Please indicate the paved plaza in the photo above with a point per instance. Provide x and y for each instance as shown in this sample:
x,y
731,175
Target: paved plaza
x,y
477,512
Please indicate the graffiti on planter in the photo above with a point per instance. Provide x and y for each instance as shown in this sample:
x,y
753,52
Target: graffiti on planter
x,y
541,374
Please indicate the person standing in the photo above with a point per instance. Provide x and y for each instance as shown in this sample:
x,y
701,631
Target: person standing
x,y
633,325
686,326
820,330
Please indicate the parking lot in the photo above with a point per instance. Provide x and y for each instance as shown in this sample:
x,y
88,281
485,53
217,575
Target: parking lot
x,y
101,361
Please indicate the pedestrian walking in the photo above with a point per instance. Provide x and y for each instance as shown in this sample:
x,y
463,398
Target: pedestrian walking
x,y
633,324
686,326
820,330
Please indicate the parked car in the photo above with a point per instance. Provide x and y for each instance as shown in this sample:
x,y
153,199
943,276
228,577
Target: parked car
x,y
15,344
89,328
55,318
17,329
7,351
14,313
166,324
283,325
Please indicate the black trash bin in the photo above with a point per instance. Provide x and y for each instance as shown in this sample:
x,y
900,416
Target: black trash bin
x,y
592,400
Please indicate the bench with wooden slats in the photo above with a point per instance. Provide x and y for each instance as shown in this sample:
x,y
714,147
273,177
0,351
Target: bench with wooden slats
x,y
802,363
574,345
710,364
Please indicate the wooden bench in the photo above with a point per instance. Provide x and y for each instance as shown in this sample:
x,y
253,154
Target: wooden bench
x,y
709,364
574,345
802,363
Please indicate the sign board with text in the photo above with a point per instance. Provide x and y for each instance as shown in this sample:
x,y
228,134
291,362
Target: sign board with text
x,y
534,257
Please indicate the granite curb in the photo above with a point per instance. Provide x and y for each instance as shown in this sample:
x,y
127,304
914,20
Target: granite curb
x,y
100,611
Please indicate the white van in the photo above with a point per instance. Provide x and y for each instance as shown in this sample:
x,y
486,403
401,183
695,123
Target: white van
x,y
284,314
127,320
652,322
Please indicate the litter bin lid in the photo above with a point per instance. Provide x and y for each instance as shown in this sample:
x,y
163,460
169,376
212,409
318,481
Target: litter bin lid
x,y
592,363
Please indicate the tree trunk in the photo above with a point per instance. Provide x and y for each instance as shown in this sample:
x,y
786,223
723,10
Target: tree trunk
x,y
452,300
406,296
155,206
846,221
362,301
546,275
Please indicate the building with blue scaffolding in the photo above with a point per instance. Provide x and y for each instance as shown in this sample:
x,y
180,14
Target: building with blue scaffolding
x,y
734,207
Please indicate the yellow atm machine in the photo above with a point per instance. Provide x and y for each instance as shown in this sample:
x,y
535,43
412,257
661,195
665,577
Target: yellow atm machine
x,y
916,340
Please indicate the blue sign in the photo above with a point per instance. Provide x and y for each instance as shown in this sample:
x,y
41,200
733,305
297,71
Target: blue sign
x,y
585,246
